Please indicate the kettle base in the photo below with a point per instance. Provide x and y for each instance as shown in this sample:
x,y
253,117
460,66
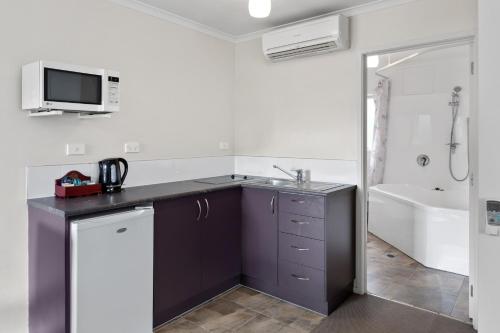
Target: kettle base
x,y
112,189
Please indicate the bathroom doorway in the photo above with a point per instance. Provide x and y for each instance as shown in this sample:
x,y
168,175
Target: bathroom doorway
x,y
417,153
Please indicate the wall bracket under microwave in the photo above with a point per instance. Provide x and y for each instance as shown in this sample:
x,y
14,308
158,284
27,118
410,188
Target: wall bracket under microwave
x,y
45,113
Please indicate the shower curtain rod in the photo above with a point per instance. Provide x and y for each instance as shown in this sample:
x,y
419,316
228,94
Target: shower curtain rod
x,y
409,57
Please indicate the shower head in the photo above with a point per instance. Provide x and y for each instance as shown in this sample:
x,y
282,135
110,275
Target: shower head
x,y
457,89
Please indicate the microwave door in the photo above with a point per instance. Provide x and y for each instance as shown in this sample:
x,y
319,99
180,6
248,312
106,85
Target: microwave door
x,y
72,90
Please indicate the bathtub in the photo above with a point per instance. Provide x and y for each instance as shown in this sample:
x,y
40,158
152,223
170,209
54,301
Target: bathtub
x,y
429,226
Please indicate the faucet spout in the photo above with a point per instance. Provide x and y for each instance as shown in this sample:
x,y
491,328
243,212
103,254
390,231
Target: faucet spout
x,y
299,177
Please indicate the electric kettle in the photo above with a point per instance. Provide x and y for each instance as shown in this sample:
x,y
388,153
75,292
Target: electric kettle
x,y
110,175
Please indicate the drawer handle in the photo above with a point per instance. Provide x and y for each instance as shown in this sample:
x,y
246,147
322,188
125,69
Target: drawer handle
x,y
299,222
298,201
301,278
299,248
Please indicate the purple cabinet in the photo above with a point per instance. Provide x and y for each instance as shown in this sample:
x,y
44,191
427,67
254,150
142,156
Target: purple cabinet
x,y
197,250
221,237
260,237
177,260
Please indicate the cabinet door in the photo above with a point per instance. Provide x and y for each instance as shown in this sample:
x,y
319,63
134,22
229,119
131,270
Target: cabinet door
x,y
221,237
177,260
260,234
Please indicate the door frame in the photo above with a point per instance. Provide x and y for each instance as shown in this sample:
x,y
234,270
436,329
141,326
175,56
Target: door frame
x,y
466,38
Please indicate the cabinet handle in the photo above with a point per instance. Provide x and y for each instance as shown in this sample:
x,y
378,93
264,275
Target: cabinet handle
x,y
272,205
299,248
299,222
208,208
199,210
301,278
298,201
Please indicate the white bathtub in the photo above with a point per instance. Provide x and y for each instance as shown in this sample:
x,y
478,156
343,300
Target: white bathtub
x,y
430,226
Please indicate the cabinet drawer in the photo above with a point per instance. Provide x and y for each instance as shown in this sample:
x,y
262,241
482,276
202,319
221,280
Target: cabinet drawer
x,y
306,205
311,227
301,250
301,281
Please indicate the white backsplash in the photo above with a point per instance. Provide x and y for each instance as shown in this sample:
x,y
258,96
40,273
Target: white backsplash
x,y
338,171
40,179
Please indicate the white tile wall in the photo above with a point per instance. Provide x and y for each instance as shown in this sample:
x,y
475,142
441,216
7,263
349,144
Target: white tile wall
x,y
40,179
420,119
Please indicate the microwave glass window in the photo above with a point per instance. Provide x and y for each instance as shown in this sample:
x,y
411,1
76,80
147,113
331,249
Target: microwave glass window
x,y
72,87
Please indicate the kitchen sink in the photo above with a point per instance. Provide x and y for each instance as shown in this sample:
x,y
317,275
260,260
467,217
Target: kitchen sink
x,y
224,180
307,186
280,182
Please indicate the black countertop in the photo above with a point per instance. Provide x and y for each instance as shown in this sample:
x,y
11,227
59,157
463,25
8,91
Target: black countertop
x,y
143,194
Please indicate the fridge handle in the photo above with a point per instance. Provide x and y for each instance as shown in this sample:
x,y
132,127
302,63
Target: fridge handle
x,y
144,207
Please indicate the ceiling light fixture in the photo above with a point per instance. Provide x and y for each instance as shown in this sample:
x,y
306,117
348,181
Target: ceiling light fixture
x,y
259,8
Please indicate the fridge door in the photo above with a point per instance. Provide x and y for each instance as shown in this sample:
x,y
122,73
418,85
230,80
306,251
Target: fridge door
x,y
112,273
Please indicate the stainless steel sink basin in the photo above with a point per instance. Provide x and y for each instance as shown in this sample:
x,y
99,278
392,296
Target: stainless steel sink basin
x,y
308,186
280,182
224,180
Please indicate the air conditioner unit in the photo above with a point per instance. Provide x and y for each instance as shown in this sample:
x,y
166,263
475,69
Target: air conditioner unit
x,y
312,37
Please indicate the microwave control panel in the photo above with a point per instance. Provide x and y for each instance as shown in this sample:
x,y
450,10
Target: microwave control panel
x,y
114,90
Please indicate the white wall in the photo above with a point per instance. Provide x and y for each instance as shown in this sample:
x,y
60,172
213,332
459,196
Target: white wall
x,y
488,290
177,93
176,101
420,118
308,108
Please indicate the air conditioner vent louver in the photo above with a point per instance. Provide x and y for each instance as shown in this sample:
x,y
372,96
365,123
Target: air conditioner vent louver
x,y
313,37
319,48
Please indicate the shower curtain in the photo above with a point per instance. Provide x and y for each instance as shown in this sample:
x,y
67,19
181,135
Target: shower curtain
x,y
376,163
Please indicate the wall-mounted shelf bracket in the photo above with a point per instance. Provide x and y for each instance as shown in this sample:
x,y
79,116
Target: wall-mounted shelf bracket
x,y
45,113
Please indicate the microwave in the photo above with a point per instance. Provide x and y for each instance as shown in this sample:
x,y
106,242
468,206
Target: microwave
x,y
48,86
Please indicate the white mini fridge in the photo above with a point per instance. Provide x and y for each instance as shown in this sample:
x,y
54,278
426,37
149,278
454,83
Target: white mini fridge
x,y
112,273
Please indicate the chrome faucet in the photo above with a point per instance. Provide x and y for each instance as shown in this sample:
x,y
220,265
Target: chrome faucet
x,y
299,177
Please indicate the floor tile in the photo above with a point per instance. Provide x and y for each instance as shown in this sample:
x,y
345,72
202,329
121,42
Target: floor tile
x,y
229,321
261,324
424,298
461,308
181,326
258,302
286,312
393,275
212,311
437,280
290,329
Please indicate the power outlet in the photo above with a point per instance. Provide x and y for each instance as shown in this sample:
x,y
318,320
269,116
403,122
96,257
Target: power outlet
x,y
223,145
132,147
75,149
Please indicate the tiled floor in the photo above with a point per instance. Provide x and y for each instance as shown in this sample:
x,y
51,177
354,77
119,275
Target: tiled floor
x,y
395,276
245,310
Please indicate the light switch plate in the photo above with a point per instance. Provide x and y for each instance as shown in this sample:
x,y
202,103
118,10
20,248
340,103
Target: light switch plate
x,y
223,145
132,147
75,149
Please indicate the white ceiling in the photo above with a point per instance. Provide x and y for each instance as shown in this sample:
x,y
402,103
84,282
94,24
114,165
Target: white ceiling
x,y
231,16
